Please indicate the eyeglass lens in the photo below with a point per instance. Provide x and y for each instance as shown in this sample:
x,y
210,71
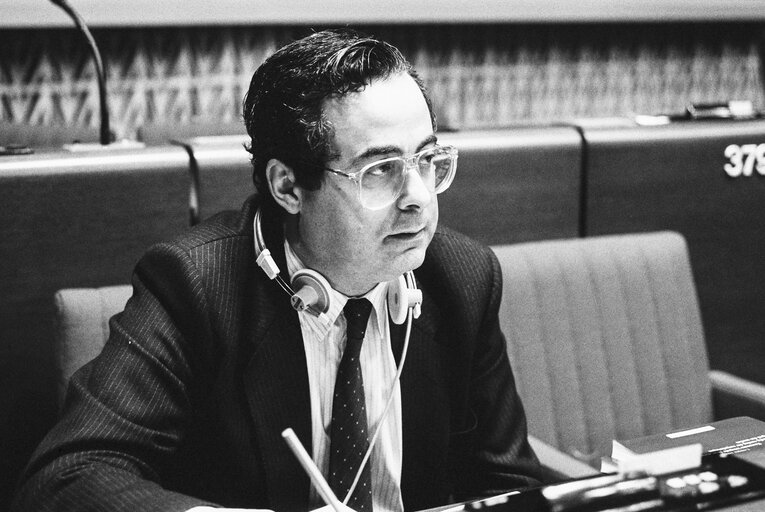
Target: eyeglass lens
x,y
382,183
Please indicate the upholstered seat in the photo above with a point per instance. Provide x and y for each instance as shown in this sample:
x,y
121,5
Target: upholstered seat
x,y
82,326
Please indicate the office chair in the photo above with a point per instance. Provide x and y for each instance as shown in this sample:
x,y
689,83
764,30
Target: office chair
x,y
605,338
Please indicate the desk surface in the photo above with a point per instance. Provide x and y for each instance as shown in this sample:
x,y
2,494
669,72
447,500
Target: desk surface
x,y
606,492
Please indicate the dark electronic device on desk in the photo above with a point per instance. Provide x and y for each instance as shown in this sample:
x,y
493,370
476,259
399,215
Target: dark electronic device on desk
x,y
720,481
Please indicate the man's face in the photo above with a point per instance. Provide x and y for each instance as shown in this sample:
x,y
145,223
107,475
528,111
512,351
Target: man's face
x,y
353,247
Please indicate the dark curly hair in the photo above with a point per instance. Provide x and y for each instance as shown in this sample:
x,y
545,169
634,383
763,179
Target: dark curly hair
x,y
283,109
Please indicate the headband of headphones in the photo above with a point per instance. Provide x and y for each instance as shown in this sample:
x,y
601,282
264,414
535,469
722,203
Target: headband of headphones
x,y
309,291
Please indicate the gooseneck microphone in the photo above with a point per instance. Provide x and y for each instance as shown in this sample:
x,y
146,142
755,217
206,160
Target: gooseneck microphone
x,y
105,132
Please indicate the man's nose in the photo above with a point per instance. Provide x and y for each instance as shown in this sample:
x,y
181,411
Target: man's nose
x,y
416,193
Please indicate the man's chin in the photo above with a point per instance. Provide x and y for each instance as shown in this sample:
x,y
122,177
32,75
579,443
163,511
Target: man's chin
x,y
411,259
403,257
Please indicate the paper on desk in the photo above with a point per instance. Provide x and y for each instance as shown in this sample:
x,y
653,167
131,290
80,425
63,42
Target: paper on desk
x,y
657,462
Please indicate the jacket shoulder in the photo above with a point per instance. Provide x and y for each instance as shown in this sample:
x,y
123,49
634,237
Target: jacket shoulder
x,y
460,272
453,252
214,250
221,226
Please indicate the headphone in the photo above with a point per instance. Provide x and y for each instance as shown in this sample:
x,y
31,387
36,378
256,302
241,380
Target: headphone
x,y
309,291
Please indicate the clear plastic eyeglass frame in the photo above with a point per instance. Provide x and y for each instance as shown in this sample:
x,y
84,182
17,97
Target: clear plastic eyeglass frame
x,y
380,183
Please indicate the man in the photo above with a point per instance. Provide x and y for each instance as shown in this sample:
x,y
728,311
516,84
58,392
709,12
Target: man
x,y
209,363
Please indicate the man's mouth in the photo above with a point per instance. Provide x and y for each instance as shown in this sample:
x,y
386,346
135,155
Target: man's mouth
x,y
408,235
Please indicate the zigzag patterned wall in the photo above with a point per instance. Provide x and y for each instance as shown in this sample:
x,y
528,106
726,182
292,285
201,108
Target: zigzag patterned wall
x,y
480,76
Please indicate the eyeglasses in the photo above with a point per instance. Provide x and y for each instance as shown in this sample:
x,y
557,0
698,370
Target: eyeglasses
x,y
380,183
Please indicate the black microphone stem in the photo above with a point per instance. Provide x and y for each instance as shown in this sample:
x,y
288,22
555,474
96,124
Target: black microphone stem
x,y
105,133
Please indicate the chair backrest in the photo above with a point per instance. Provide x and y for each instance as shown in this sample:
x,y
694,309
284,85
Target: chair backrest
x,y
605,338
82,326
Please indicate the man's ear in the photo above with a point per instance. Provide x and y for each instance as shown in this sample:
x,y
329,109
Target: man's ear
x,y
281,182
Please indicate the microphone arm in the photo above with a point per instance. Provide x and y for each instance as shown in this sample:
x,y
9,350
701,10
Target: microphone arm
x,y
105,133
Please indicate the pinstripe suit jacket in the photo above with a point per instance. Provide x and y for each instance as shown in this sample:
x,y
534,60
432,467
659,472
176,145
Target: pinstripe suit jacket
x,y
205,368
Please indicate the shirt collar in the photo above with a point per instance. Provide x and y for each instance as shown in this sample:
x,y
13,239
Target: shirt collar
x,y
377,296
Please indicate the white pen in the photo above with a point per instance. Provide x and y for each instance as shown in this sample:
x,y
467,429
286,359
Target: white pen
x,y
313,472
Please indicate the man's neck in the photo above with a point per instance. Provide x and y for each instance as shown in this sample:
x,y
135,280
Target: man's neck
x,y
346,284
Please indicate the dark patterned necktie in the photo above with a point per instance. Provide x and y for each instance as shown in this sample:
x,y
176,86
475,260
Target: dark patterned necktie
x,y
348,435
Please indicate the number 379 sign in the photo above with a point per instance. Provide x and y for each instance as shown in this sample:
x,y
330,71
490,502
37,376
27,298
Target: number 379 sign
x,y
744,160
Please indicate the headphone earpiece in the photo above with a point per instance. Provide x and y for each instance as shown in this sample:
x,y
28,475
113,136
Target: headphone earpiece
x,y
311,291
402,295
415,295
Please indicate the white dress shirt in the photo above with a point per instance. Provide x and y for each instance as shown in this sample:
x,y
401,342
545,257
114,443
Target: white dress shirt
x,y
324,345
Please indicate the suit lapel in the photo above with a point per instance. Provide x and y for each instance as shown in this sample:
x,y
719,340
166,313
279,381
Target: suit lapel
x,y
424,405
276,386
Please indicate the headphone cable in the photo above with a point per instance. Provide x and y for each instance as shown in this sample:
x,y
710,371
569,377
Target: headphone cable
x,y
386,410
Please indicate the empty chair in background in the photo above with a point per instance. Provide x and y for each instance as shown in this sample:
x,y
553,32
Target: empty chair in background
x,y
606,340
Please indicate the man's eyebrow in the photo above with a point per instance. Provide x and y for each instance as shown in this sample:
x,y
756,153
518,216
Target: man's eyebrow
x,y
387,150
377,151
430,139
